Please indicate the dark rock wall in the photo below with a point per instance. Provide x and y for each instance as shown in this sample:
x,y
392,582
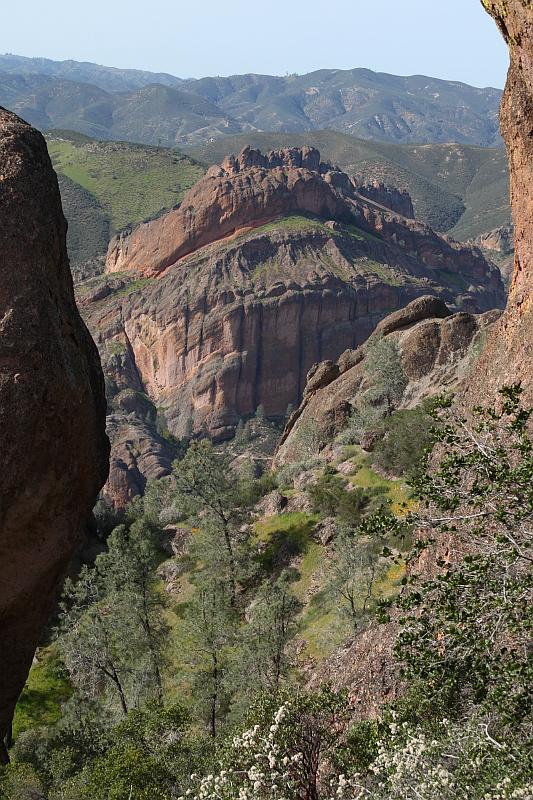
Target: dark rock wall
x,y
52,406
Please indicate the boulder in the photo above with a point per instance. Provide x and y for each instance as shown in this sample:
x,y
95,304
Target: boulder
x,y
52,404
389,197
271,504
326,531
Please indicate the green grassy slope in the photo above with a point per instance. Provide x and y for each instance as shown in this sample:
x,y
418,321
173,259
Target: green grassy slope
x,y
462,189
88,223
107,185
46,688
130,181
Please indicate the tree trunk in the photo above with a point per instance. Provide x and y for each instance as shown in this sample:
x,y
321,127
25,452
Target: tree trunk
x,y
232,565
120,690
152,648
214,697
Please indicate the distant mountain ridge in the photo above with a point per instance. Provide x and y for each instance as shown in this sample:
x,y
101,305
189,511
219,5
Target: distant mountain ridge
x,y
110,79
157,108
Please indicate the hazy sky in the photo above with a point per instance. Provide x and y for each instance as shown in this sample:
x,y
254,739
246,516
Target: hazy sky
x,y
452,39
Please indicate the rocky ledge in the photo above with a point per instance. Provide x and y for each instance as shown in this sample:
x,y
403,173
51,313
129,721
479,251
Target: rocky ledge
x,y
438,351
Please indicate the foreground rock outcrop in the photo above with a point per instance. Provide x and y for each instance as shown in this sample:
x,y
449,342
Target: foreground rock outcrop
x,y
52,404
438,350
508,357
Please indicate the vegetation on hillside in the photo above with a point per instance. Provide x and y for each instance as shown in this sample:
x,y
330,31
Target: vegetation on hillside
x,y
108,185
131,182
185,676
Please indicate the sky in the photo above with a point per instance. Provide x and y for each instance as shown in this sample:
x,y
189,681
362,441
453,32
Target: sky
x,y
452,39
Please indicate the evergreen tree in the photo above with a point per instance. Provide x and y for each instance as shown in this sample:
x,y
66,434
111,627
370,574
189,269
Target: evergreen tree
x,y
112,623
129,571
383,366
271,625
211,624
206,488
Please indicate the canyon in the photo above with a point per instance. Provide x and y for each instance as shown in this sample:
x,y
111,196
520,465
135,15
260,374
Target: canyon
x,y
263,289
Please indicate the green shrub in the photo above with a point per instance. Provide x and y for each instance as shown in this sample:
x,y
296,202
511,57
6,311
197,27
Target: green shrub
x,y
406,436
330,497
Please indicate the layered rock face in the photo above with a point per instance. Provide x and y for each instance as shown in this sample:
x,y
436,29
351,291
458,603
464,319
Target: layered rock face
x,y
253,189
509,355
438,351
52,404
271,263
395,199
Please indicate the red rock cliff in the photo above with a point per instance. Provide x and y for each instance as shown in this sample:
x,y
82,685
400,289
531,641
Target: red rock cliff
x,y
252,189
52,406
509,355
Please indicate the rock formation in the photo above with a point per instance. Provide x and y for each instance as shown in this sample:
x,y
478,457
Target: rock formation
x,y
52,405
498,245
396,200
253,189
210,336
138,454
508,356
438,351
499,240
271,263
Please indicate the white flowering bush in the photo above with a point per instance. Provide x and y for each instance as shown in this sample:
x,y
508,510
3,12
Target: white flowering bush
x,y
285,755
459,762
294,758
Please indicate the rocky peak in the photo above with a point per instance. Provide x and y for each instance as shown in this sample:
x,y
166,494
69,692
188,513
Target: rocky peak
x,y
286,158
251,190
244,192
500,240
271,263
